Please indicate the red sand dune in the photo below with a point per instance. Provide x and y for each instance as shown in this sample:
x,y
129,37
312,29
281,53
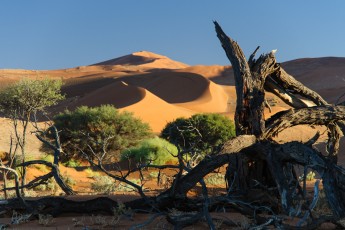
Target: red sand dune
x,y
145,59
140,101
325,75
158,89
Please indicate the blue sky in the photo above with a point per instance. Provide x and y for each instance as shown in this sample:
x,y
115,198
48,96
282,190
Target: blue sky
x,y
53,34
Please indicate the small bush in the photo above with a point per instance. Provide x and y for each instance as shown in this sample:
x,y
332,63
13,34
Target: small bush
x,y
201,132
98,127
154,174
72,163
69,180
90,173
50,185
215,179
30,193
311,176
42,168
103,184
155,150
41,187
48,158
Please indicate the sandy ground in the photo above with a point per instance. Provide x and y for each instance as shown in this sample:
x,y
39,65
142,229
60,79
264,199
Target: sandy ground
x,y
158,90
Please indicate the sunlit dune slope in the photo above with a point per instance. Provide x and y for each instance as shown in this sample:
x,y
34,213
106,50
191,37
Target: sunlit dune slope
x,y
180,87
140,101
145,59
213,100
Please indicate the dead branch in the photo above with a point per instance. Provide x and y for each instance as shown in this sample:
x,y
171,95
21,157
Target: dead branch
x,y
319,115
290,83
210,163
34,183
16,179
56,173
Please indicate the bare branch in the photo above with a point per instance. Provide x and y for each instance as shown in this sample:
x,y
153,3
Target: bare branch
x,y
320,115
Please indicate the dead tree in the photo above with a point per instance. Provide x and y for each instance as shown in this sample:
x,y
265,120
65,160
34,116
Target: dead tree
x,y
255,161
54,166
253,156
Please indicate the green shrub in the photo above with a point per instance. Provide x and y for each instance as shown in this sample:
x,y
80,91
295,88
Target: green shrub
x,y
156,150
202,132
42,168
50,185
215,179
90,173
48,158
72,163
310,176
103,184
41,187
68,180
98,127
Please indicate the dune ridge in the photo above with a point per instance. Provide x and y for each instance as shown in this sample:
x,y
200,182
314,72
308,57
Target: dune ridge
x,y
145,59
158,89
137,100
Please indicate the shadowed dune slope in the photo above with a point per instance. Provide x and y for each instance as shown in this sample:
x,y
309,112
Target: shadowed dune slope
x,y
222,75
325,75
213,100
118,94
173,87
141,102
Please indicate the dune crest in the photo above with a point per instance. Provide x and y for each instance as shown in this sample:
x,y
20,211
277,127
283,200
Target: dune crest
x,y
140,101
118,94
213,100
156,112
160,89
145,59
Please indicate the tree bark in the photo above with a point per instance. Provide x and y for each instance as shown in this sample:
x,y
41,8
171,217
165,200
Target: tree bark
x,y
249,115
319,115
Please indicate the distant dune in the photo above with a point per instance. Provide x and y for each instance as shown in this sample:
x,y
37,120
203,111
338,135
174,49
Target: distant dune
x,y
325,75
145,59
158,89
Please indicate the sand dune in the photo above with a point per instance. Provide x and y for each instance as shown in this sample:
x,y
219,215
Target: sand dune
x,y
118,94
171,86
140,101
325,75
213,100
222,75
158,89
145,59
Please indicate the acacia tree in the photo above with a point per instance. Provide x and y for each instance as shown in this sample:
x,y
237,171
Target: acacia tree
x,y
22,101
86,130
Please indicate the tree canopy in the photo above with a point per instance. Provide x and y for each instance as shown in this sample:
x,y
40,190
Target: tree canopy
x,y
98,130
29,96
202,132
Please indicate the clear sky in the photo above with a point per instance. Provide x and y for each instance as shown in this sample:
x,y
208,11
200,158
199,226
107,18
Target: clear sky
x,y
52,34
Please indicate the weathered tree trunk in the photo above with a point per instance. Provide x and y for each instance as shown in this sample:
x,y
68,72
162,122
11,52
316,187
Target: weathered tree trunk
x,y
284,86
249,115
